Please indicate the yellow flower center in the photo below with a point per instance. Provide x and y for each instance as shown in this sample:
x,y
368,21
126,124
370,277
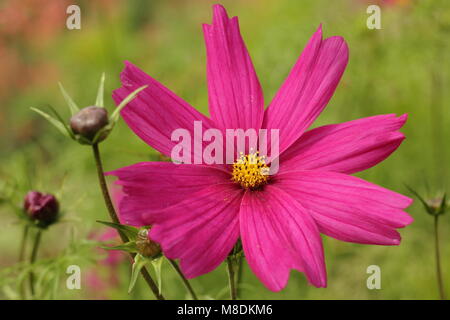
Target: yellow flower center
x,y
250,171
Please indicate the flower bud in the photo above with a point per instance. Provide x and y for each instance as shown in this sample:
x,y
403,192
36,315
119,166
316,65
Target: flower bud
x,y
437,205
145,246
42,208
89,121
434,203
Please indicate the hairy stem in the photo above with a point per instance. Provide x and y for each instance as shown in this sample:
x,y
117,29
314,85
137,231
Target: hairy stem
x,y
186,283
438,258
33,256
113,215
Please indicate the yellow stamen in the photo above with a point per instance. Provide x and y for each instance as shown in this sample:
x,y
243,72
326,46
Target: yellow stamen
x,y
250,170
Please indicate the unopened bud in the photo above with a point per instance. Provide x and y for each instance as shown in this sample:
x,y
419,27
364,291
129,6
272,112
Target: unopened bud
x,y
437,206
42,208
434,203
89,121
145,246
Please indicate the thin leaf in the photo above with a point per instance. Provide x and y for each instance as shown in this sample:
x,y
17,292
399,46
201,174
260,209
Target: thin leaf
x,y
59,125
139,263
127,247
115,115
72,105
131,232
99,102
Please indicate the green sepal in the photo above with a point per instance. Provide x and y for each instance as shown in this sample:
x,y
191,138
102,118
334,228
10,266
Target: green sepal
x,y
443,207
99,102
129,231
60,119
72,105
102,133
422,200
157,265
106,130
58,122
82,140
430,210
60,125
115,115
139,263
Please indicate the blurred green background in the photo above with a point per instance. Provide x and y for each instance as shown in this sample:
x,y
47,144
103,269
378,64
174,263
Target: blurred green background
x,y
402,68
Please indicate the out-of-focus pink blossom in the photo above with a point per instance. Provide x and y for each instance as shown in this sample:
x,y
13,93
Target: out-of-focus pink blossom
x,y
105,276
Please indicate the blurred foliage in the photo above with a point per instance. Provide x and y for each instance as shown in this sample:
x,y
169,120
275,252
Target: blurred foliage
x,y
402,68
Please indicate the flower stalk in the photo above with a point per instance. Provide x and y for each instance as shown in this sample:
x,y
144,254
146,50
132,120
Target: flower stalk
x,y
186,283
113,215
22,250
438,259
232,277
239,276
234,266
33,257
23,243
435,207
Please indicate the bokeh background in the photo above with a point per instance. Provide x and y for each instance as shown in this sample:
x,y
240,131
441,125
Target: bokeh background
x,y
402,68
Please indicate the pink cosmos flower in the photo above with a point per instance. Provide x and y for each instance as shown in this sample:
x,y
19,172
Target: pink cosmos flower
x,y
199,212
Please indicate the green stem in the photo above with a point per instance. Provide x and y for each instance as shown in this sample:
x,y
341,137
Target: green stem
x,y
113,215
438,258
231,278
239,276
104,188
23,244
23,247
33,256
186,283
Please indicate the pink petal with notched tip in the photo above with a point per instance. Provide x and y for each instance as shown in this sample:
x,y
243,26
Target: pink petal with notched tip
x,y
348,208
278,235
201,230
156,112
346,147
235,95
308,88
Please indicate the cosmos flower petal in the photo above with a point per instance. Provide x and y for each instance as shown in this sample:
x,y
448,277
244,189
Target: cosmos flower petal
x,y
308,88
347,147
277,235
348,208
235,95
152,186
201,230
156,112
